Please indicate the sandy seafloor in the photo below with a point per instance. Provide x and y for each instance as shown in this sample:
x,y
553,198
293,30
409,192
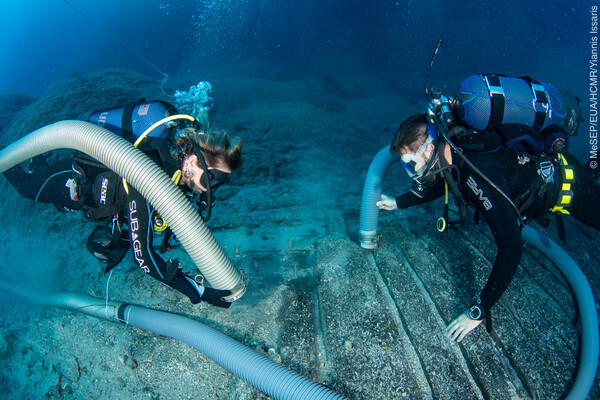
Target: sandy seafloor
x,y
369,325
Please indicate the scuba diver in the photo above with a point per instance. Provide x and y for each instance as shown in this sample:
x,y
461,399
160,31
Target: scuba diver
x,y
198,161
510,171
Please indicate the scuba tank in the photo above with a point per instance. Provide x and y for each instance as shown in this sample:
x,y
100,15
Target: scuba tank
x,y
520,114
131,120
487,101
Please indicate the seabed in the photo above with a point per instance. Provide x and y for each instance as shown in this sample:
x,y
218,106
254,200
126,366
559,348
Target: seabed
x,y
367,324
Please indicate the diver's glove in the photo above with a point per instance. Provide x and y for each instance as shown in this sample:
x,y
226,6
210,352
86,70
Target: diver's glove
x,y
207,294
387,203
465,323
215,297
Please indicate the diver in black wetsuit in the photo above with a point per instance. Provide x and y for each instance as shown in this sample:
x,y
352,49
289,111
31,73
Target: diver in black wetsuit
x,y
195,159
515,174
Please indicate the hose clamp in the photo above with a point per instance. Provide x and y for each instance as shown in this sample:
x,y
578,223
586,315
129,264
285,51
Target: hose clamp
x,y
368,239
239,290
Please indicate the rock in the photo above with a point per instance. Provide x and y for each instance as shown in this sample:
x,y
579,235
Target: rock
x,y
273,355
11,103
69,368
71,97
121,383
128,361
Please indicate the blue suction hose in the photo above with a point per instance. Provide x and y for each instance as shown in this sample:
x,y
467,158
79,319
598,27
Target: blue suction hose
x,y
588,362
264,374
369,212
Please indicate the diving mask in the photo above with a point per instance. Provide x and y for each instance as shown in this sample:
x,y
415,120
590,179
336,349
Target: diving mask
x,y
414,163
418,167
216,178
211,179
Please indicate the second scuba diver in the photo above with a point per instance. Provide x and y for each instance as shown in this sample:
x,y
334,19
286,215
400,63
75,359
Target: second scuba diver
x,y
505,186
199,162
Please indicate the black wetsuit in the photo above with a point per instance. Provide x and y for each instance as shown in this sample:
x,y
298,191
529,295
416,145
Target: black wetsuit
x,y
52,184
514,175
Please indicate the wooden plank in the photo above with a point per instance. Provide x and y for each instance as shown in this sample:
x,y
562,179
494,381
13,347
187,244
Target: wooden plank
x,y
371,356
493,372
538,296
447,371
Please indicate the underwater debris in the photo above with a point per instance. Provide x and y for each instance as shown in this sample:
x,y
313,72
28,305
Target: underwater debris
x,y
273,355
348,345
128,361
70,369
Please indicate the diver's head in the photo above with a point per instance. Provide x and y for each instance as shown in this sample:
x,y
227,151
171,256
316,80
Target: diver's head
x,y
198,178
207,158
415,143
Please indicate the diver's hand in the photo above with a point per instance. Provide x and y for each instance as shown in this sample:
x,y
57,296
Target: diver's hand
x,y
215,297
387,203
461,326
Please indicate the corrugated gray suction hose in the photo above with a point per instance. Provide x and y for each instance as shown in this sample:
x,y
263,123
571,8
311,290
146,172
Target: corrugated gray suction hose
x,y
264,374
147,178
588,363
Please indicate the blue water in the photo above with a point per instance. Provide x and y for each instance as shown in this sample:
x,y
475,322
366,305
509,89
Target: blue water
x,y
46,40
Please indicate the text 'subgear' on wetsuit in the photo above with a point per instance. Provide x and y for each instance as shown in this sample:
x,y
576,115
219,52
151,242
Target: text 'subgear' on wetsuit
x,y
140,227
513,173
53,184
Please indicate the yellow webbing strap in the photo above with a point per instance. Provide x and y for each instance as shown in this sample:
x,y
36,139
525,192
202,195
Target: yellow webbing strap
x,y
565,195
147,131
